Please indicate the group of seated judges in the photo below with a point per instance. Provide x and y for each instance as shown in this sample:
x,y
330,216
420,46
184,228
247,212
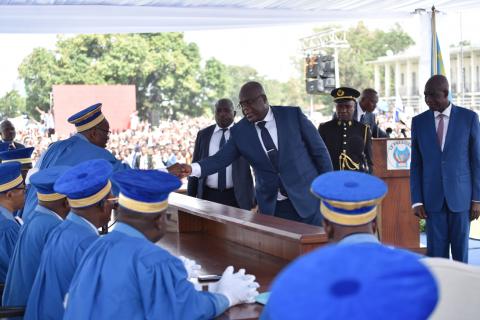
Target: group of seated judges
x,y
56,264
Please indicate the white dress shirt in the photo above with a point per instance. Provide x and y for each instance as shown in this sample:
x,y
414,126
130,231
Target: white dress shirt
x,y
446,119
360,112
212,180
271,126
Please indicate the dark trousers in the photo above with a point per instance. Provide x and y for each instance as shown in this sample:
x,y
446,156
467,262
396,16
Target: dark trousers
x,y
447,230
226,197
285,210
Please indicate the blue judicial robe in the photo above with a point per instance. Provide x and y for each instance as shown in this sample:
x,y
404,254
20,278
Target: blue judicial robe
x,y
125,276
60,257
69,152
26,257
9,229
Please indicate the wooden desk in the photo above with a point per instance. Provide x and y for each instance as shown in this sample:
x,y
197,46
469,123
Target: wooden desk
x,y
217,236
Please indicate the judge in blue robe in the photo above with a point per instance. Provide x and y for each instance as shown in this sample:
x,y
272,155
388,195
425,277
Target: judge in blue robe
x,y
87,188
12,197
124,275
88,143
50,212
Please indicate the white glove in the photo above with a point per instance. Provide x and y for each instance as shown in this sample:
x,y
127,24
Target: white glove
x,y
237,287
193,269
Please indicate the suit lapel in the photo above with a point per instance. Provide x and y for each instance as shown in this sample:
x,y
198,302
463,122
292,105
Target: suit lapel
x,y
450,128
251,137
277,115
432,131
206,145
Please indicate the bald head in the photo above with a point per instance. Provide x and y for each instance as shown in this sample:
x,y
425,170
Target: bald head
x,y
253,101
436,93
7,130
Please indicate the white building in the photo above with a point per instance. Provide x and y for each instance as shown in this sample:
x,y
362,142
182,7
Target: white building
x,y
398,76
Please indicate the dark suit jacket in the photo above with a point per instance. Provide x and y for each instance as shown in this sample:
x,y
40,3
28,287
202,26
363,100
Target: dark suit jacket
x,y
302,157
18,145
451,175
241,174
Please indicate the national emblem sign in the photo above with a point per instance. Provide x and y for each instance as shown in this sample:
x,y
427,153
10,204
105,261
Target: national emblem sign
x,y
399,154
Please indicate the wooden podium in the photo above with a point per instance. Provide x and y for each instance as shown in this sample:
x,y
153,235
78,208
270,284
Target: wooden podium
x,y
396,223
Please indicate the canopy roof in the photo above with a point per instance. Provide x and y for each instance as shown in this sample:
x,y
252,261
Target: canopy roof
x,y
120,16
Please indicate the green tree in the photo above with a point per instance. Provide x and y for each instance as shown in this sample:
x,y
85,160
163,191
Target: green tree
x,y
12,104
39,72
214,81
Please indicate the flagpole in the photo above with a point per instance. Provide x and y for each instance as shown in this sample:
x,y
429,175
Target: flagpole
x,y
434,62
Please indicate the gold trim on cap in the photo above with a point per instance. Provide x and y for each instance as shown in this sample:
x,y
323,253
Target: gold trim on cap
x,y
85,202
50,196
12,184
345,97
354,205
22,160
140,206
86,115
347,219
90,124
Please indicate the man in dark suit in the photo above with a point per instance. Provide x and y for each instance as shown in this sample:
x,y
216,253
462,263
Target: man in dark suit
x,y
285,150
348,141
233,185
7,131
445,171
363,112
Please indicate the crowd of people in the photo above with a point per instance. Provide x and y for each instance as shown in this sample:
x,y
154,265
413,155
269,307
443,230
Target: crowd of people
x,y
55,263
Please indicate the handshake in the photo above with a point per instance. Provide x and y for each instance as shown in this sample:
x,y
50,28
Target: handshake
x,y
180,170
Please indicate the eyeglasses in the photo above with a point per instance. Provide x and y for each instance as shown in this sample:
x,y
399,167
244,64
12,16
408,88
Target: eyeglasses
x,y
23,188
108,132
248,102
113,202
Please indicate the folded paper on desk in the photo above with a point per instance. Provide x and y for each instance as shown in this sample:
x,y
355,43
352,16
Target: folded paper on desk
x,y
262,298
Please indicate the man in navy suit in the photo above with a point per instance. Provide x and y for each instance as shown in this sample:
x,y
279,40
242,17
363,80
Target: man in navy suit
x,y
445,171
285,150
233,185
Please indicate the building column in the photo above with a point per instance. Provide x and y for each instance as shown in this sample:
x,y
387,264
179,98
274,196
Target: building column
x,y
397,79
387,80
408,78
472,79
459,77
376,77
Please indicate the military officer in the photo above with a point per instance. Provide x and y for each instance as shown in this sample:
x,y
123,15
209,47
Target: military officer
x,y
348,141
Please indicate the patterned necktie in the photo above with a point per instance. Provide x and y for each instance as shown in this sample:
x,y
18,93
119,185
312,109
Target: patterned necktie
x,y
440,129
272,151
362,118
222,173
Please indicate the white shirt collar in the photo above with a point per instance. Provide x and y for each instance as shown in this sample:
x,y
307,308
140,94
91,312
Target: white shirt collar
x,y
445,112
268,117
217,128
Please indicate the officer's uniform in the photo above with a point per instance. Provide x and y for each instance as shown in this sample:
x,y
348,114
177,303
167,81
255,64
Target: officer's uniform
x,y
348,142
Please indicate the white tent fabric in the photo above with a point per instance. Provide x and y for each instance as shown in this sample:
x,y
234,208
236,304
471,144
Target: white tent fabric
x,y
110,16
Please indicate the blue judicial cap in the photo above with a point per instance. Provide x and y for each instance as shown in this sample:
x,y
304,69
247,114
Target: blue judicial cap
x,y
349,197
10,176
4,146
45,179
145,190
22,155
358,281
87,118
86,183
